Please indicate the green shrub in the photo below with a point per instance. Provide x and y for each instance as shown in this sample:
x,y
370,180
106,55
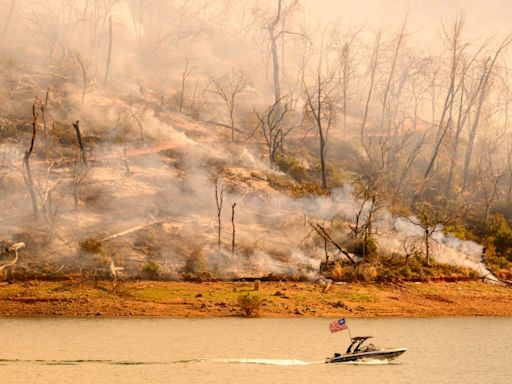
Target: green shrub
x,y
91,245
249,304
499,235
151,270
291,166
366,272
341,272
195,264
195,268
363,247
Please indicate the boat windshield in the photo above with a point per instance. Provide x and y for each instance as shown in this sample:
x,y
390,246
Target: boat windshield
x,y
356,344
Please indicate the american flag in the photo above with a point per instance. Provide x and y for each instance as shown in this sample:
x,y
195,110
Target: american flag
x,y
338,325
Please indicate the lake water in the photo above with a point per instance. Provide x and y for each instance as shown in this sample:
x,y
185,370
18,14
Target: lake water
x,y
164,350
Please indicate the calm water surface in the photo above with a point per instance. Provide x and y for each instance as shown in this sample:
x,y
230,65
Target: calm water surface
x,y
263,351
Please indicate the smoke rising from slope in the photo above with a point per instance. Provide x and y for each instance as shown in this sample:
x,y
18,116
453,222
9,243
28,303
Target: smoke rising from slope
x,y
131,71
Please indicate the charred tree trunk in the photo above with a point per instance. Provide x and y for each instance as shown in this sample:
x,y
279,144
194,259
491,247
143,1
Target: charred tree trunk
x,y
483,94
83,156
427,245
109,53
391,74
275,57
455,146
233,243
219,199
375,60
26,164
322,157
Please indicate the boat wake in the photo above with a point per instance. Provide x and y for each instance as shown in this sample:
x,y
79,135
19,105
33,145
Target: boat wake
x,y
275,362
279,362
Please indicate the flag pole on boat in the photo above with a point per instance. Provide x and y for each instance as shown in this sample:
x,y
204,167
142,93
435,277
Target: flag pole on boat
x,y
340,325
348,329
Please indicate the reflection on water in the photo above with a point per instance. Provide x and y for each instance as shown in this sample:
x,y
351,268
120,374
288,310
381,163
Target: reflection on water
x,y
138,350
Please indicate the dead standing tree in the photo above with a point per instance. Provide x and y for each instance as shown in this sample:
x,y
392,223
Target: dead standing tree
x,y
363,229
26,165
276,31
347,71
233,243
446,120
483,94
488,177
84,66
184,76
392,72
431,220
320,109
46,186
374,62
109,52
218,184
83,156
228,91
271,125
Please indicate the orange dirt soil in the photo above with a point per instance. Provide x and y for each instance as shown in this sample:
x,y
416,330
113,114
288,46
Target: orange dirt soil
x,y
285,299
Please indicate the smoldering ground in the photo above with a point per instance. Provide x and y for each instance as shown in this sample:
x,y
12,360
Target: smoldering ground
x,y
131,73
176,186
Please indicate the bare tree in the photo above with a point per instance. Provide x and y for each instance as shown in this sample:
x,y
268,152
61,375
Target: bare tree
x,y
219,200
488,175
488,70
370,204
320,108
345,52
431,220
138,9
277,29
509,169
109,52
392,71
46,187
97,12
26,164
373,68
228,91
411,247
271,124
446,121
233,243
177,22
84,66
184,76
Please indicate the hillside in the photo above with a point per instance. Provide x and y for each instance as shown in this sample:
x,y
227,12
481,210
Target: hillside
x,y
152,142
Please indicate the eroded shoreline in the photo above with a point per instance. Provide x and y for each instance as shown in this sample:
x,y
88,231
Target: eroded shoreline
x,y
278,299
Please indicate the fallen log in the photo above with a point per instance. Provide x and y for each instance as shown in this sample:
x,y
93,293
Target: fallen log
x,y
131,230
324,235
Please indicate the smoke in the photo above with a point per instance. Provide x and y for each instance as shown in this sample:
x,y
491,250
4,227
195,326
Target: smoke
x,y
171,179
148,160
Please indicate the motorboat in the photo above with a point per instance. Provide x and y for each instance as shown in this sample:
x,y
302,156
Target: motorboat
x,y
359,351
